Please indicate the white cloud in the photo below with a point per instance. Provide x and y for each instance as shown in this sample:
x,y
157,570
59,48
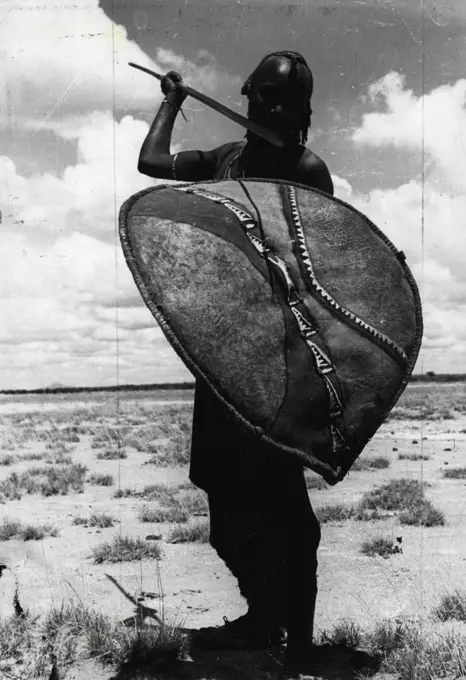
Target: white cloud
x,y
434,123
68,302
68,59
424,217
87,196
64,69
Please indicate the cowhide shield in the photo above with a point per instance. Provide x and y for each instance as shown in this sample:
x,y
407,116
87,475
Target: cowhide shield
x,y
296,310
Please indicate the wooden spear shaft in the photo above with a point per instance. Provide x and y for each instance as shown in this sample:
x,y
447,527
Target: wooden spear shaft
x,y
260,130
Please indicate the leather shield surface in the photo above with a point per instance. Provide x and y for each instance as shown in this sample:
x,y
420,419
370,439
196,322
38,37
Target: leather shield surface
x,y
300,315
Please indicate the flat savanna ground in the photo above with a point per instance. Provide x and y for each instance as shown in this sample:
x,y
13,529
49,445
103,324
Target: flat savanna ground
x,y
80,472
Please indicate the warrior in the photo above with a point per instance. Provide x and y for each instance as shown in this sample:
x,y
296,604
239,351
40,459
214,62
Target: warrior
x,y
261,521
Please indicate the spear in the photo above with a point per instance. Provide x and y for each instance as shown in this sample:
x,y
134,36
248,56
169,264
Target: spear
x,y
257,128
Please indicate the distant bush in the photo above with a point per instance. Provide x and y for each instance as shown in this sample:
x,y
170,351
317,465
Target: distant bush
x,y
455,473
398,494
413,456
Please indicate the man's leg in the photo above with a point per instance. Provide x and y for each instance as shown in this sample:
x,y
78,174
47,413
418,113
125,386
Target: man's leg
x,y
264,528
303,541
242,540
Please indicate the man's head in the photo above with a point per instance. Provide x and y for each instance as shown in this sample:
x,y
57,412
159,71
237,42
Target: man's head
x,y
279,92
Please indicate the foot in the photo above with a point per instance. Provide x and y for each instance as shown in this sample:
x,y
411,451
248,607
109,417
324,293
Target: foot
x,y
242,633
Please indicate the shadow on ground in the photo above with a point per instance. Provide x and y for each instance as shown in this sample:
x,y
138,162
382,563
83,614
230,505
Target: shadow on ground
x,y
338,663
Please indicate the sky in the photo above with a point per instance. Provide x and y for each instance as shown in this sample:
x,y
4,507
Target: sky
x,y
389,119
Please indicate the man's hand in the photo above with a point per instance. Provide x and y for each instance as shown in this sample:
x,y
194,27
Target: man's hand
x,y
170,89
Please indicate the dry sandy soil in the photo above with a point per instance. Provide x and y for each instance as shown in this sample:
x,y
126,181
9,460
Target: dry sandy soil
x,y
198,590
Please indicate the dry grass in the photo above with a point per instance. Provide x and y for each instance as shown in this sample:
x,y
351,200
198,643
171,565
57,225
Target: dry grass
x,y
112,454
125,549
8,459
455,473
47,481
422,514
383,546
195,532
101,480
398,494
413,456
10,529
404,650
174,514
452,607
32,456
374,463
100,520
404,497
334,513
344,632
109,437
163,493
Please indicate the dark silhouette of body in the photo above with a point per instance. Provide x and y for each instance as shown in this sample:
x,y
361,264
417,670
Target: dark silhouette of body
x,y
262,523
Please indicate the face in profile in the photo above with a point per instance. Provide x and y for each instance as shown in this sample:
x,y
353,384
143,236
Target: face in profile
x,y
279,94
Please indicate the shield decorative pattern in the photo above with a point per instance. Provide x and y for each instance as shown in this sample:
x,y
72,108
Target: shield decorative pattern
x,y
297,311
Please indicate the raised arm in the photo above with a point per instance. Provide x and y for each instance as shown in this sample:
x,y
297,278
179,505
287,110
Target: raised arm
x,y
155,159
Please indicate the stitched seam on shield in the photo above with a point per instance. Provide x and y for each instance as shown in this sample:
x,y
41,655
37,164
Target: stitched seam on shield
x,y
330,301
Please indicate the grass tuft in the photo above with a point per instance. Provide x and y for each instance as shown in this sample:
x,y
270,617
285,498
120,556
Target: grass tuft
x,y
413,456
334,513
452,607
173,514
423,514
384,546
125,549
101,480
99,520
10,529
8,459
153,648
375,463
455,473
344,632
112,454
399,494
196,532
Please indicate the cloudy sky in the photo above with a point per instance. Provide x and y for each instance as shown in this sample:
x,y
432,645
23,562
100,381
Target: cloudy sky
x,y
389,119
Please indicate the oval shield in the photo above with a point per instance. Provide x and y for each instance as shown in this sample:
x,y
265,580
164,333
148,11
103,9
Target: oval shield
x,y
297,311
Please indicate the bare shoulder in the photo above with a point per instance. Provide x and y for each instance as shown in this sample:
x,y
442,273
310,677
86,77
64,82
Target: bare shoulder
x,y
314,172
